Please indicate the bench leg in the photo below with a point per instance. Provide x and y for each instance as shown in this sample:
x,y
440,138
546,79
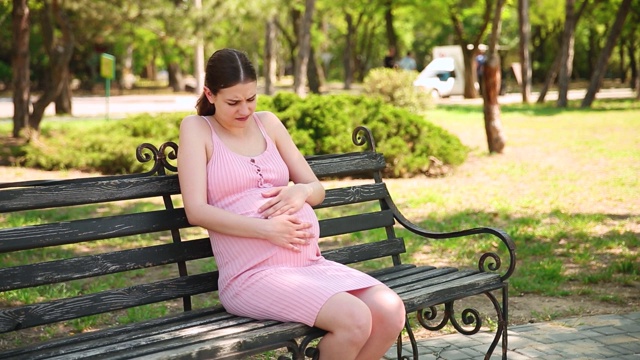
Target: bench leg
x,y
503,318
471,317
412,339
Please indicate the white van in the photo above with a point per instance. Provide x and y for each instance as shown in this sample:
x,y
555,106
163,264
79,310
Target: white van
x,y
439,78
444,76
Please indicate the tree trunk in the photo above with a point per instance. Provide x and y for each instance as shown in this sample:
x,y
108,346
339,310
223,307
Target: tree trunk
x,y
176,80
470,72
550,79
198,61
300,70
633,65
20,65
313,72
491,87
603,59
270,57
60,51
566,54
555,67
348,49
623,72
63,101
392,38
525,59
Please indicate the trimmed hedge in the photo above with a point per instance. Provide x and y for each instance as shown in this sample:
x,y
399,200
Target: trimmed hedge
x,y
319,124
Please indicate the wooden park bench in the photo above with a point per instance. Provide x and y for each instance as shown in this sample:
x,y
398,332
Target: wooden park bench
x,y
132,227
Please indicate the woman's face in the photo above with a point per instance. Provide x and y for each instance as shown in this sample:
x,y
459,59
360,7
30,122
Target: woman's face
x,y
235,104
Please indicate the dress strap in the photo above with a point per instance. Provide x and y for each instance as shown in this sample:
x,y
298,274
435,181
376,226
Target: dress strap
x,y
262,129
214,135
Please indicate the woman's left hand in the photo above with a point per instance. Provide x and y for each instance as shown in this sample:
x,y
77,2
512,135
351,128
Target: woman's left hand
x,y
284,200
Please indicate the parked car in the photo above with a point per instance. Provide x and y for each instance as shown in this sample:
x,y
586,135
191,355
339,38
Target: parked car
x,y
440,78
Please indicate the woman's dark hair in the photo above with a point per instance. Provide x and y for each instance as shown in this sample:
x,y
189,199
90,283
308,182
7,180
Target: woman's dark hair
x,y
225,68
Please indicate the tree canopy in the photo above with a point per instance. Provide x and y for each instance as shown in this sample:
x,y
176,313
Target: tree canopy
x,y
346,40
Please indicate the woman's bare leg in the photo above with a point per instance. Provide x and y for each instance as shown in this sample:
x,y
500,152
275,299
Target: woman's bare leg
x,y
388,317
347,321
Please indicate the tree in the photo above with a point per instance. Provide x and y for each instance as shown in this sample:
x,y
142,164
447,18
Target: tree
x,y
59,42
491,83
525,39
603,59
566,53
469,43
270,55
20,66
552,73
304,49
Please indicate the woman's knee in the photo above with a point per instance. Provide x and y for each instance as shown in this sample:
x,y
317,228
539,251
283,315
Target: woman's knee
x,y
346,315
387,308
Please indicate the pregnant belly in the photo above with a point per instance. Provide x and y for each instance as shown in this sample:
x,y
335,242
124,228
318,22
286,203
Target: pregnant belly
x,y
248,204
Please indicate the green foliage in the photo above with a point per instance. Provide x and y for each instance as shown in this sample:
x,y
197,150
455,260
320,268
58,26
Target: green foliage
x,y
319,124
107,147
396,88
322,124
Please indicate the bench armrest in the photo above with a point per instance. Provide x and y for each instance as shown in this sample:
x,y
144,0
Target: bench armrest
x,y
495,262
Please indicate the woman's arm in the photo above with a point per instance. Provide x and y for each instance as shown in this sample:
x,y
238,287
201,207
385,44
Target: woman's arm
x,y
306,185
195,145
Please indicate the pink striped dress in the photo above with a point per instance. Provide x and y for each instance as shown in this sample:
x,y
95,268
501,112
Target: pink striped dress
x,y
257,278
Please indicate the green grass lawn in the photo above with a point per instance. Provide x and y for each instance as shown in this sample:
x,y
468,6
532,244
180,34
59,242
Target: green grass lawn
x,y
567,189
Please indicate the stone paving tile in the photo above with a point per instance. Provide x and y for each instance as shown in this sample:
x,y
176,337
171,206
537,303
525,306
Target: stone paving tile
x,y
586,338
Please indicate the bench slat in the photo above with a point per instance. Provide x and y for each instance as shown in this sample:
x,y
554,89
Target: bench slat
x,y
137,344
37,274
349,164
90,340
362,252
20,317
86,191
354,223
354,194
241,335
72,232
461,288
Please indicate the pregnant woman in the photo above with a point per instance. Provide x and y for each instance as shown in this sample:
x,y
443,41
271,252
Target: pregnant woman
x,y
244,180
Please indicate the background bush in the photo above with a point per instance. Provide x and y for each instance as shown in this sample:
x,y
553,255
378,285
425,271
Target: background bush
x,y
319,124
395,87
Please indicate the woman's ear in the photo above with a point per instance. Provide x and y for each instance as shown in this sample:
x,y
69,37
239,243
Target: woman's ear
x,y
208,94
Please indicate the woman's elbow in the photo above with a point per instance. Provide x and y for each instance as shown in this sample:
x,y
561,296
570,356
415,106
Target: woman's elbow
x,y
193,216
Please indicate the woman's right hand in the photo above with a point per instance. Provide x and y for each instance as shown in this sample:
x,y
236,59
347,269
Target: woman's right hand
x,y
288,232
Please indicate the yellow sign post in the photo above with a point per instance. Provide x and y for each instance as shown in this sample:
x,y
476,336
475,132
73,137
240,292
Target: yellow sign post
x,y
108,72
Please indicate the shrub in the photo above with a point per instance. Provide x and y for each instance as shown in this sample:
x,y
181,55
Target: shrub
x,y
319,124
322,124
108,147
396,87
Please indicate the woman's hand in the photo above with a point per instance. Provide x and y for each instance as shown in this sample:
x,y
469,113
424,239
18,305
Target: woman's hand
x,y
284,200
288,232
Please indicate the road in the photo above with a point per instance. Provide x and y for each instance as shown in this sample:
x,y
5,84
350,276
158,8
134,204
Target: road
x,y
116,106
122,105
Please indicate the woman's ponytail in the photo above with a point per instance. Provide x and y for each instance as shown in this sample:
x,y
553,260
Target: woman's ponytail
x,y
204,107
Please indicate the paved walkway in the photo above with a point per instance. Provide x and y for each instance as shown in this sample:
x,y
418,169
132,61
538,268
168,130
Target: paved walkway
x,y
119,106
593,337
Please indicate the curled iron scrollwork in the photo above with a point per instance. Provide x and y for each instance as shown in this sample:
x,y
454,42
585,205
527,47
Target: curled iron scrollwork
x,y
429,314
494,265
161,156
469,317
362,136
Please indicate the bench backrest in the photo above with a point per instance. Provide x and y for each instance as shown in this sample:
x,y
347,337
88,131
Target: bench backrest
x,y
64,247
